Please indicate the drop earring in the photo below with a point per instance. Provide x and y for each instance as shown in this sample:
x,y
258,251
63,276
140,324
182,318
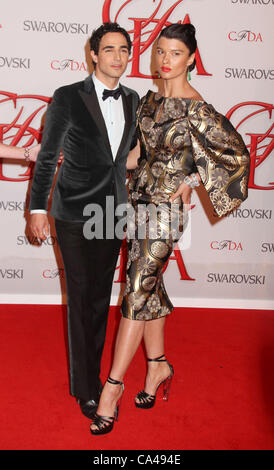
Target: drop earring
x,y
188,75
158,74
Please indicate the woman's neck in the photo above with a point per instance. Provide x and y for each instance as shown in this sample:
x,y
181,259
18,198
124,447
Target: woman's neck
x,y
176,88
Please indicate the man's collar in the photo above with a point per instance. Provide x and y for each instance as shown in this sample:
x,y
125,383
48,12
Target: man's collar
x,y
100,86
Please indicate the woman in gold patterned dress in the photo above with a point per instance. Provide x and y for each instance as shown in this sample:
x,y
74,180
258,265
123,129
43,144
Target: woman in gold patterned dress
x,y
183,142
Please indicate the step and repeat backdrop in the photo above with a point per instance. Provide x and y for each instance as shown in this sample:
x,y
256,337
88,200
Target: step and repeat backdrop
x,y
44,45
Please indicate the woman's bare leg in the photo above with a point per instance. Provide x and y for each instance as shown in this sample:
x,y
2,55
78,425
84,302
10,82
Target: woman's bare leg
x,y
154,337
130,334
155,347
129,337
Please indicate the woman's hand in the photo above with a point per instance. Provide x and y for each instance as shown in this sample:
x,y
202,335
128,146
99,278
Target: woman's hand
x,y
184,192
61,158
132,159
33,152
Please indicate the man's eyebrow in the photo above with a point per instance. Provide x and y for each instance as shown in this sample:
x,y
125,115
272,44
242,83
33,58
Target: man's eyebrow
x,y
112,47
172,50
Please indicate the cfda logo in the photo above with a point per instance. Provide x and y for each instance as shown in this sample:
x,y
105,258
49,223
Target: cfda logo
x,y
245,34
227,245
69,64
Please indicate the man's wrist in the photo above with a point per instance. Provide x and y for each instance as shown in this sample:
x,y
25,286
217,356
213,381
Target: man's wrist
x,y
38,211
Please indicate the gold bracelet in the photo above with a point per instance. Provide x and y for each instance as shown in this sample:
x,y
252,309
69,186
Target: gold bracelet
x,y
27,155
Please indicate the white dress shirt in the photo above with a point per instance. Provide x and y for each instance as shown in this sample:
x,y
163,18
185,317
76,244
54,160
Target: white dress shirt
x,y
113,114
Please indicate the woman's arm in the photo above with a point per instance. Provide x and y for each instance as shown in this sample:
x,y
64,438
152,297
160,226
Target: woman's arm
x,y
221,157
132,159
19,153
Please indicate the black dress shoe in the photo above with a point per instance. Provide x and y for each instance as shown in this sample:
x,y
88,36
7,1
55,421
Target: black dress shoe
x,y
88,408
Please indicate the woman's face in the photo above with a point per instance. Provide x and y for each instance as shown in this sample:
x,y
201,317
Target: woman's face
x,y
172,58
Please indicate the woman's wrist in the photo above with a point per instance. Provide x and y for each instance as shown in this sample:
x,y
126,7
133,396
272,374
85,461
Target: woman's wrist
x,y
192,180
27,154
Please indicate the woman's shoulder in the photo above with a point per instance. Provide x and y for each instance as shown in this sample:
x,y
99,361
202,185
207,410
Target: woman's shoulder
x,y
148,93
144,100
197,97
193,94
205,117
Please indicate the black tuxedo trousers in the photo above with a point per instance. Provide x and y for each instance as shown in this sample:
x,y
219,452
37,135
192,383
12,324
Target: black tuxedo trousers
x,y
89,270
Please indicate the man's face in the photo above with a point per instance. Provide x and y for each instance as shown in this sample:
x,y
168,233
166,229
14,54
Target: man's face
x,y
112,58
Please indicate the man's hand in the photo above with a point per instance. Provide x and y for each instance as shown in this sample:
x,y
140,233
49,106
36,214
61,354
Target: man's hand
x,y
39,226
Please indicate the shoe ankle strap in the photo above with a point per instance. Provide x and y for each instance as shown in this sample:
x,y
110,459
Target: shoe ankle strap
x,y
114,382
158,359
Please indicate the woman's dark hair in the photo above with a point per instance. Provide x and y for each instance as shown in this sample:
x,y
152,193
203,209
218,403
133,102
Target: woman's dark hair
x,y
105,28
184,33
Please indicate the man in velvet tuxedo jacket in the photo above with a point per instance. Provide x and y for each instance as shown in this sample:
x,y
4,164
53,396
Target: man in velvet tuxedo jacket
x,y
93,121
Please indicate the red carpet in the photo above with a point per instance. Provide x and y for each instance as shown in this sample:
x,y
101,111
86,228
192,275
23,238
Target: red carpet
x,y
222,396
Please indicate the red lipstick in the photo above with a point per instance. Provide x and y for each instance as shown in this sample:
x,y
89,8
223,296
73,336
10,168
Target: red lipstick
x,y
165,69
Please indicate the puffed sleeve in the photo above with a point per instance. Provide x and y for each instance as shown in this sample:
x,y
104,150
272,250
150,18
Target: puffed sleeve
x,y
221,157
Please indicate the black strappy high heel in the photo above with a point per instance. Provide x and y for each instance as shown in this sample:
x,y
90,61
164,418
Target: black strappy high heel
x,y
105,423
146,400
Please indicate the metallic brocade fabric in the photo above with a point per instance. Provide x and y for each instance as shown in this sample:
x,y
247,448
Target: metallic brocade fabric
x,y
178,137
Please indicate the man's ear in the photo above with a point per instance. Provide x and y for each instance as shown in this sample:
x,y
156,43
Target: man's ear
x,y
94,57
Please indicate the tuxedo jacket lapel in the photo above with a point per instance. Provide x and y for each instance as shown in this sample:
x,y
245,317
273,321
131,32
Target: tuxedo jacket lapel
x,y
127,105
89,98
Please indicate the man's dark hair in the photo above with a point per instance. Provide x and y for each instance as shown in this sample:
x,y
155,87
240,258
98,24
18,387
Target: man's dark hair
x,y
105,28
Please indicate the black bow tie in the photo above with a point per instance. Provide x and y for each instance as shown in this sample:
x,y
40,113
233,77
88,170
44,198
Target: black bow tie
x,y
115,93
